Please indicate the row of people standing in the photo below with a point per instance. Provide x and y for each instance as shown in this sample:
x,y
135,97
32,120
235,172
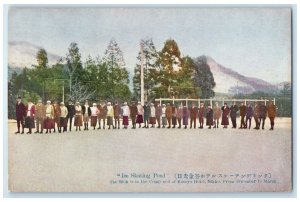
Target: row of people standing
x,y
168,115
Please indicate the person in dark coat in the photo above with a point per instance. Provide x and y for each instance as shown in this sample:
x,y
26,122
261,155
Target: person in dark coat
x,y
169,114
243,109
102,114
158,114
146,115
185,115
20,114
193,115
225,112
56,108
249,114
209,117
262,115
71,113
201,114
271,113
255,115
174,113
233,113
117,114
133,114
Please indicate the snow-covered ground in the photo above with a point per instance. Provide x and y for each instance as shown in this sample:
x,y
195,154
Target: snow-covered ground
x,y
152,160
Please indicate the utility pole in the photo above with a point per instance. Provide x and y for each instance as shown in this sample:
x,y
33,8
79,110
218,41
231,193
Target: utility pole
x,y
142,74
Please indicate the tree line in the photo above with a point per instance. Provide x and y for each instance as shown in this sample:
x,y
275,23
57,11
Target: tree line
x,y
166,73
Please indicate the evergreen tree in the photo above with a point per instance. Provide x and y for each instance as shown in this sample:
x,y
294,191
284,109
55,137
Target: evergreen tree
x,y
42,58
117,75
150,64
204,77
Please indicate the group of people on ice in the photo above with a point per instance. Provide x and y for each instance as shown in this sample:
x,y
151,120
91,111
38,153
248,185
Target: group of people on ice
x,y
52,117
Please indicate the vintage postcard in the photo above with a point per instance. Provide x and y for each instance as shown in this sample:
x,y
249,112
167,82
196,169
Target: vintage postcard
x,y
149,99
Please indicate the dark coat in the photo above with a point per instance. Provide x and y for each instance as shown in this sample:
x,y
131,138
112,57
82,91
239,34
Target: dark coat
x,y
249,112
133,110
233,110
243,110
158,111
169,112
256,111
147,112
117,110
193,112
225,114
271,111
262,111
88,110
209,117
71,110
20,110
102,111
201,113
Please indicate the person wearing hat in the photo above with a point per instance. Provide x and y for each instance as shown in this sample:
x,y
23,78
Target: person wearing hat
x,y
233,113
63,117
30,113
217,114
262,115
40,114
271,113
225,112
163,116
158,113
147,111
110,114
174,114
94,115
56,107
255,115
243,109
152,115
169,114
78,116
20,114
133,114
193,115
125,114
102,114
140,114
201,114
185,116
117,114
179,114
249,114
209,117
86,112
49,117
71,114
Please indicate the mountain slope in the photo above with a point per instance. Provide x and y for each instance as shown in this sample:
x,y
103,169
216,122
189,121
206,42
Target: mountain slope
x,y
230,81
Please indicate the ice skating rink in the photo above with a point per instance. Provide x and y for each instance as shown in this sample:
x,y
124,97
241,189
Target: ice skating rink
x,y
152,160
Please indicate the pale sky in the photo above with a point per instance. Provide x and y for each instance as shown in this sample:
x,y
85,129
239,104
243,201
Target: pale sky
x,y
255,42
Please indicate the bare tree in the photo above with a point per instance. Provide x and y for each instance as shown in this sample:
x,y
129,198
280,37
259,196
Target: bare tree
x,y
80,92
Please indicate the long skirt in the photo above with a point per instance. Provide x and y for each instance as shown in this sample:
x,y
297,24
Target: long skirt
x,y
48,123
163,121
225,120
174,120
29,122
185,120
63,122
109,120
152,120
93,121
125,120
139,119
78,120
